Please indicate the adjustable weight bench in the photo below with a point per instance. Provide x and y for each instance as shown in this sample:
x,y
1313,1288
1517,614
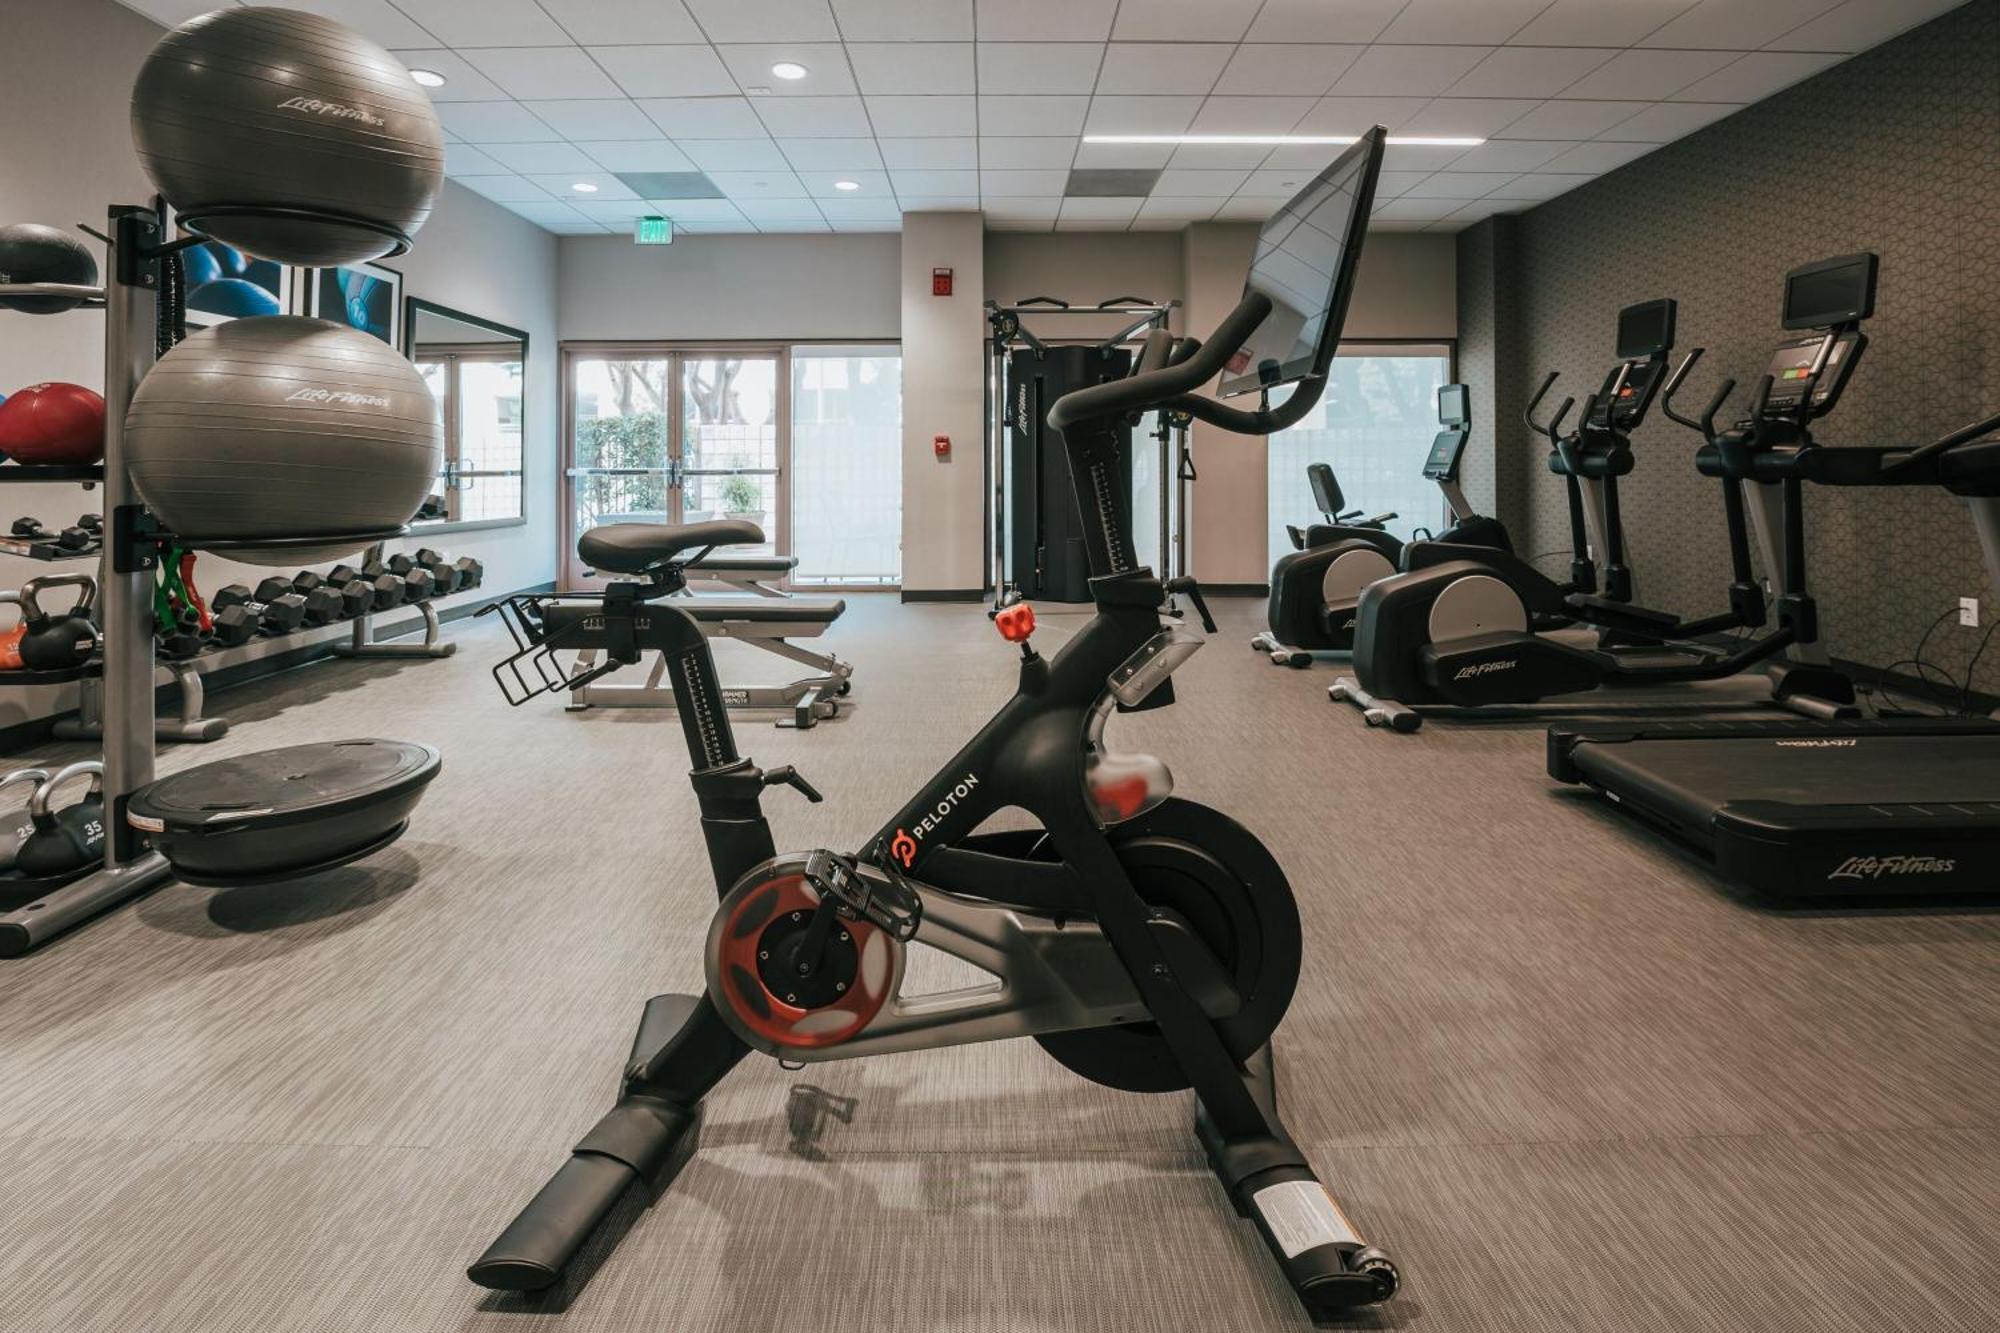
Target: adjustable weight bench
x,y
754,574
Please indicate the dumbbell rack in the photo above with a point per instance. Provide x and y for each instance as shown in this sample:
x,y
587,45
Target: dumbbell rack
x,y
129,299
361,643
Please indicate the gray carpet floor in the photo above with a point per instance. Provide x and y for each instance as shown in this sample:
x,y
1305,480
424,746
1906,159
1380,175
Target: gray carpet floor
x,y
1568,1080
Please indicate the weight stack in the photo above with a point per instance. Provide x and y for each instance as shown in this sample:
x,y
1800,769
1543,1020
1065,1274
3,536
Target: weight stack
x,y
1044,526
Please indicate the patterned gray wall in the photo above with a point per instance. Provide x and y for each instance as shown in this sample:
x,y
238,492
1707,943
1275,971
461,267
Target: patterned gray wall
x,y
1896,151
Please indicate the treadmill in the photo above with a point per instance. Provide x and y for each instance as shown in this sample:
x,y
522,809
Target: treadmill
x,y
1821,808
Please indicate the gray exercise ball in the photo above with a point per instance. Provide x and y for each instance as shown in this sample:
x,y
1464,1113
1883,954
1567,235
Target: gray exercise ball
x,y
30,252
248,109
279,426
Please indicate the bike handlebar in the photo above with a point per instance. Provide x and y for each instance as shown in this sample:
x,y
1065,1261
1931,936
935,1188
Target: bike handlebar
x,y
1171,385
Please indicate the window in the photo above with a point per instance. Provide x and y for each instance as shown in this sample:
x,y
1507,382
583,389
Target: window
x,y
847,465
1374,426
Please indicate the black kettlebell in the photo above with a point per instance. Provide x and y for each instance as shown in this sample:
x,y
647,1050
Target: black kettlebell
x,y
65,639
68,840
18,826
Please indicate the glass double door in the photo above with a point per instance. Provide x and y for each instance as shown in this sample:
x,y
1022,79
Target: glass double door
x,y
673,437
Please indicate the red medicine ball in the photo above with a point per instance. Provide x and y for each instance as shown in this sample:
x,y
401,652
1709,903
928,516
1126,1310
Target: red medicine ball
x,y
52,423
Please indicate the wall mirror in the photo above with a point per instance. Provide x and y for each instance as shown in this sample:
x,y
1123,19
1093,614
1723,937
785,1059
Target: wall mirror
x,y
475,370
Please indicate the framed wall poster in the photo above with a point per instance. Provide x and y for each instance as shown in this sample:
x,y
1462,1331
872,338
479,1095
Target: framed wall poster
x,y
368,297
223,284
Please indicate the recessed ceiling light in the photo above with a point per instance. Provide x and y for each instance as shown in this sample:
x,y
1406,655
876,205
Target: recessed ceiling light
x,y
1276,139
789,69
428,78
847,185
584,187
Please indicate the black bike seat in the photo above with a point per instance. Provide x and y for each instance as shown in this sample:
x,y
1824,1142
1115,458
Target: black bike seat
x,y
634,548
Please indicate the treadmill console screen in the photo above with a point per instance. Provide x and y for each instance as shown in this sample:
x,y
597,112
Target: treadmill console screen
x,y
1645,330
1831,292
1791,372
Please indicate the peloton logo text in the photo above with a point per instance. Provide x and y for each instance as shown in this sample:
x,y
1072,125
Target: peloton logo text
x,y
1874,867
1487,668
333,109
904,845
338,397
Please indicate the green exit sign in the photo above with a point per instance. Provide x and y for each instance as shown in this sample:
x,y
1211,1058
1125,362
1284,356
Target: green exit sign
x,y
653,231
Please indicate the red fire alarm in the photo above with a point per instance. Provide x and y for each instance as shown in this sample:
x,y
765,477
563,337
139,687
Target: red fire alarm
x,y
941,444
940,282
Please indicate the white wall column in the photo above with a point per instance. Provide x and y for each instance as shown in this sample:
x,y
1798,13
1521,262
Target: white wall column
x,y
944,375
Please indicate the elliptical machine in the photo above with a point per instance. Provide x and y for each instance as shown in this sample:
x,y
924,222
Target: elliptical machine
x,y
1146,942
1337,522
1314,588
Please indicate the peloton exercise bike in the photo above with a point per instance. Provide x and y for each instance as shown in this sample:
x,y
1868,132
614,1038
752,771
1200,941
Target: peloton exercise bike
x,y
1148,943
1314,587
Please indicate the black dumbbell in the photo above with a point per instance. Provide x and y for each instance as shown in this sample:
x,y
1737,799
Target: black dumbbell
x,y
447,576
443,577
470,572
91,523
324,606
356,598
418,586
306,580
273,609
362,591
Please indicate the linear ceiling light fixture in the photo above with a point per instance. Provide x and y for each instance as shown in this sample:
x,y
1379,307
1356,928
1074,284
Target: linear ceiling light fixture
x,y
1394,139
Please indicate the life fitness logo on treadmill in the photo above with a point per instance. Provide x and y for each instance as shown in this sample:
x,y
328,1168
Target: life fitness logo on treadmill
x,y
904,845
1487,668
314,106
1875,867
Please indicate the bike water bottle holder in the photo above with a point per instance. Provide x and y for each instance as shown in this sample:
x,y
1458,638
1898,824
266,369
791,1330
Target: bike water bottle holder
x,y
545,624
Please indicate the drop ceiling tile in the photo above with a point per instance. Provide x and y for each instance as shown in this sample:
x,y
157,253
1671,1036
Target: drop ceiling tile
x,y
923,117
1510,155
637,155
695,210
1031,116
461,24
865,225
1390,184
1405,71
734,154
1045,20
1541,185
612,118
1115,155
1250,115
740,227
792,226
1758,75
1241,209
704,117
779,210
765,20
1284,182
1598,157
1196,184
934,182
1860,24
1419,157
1480,209
1154,68
1279,70
507,189
1039,67
1198,208
1571,120
827,73
1030,154
904,20
1140,115
560,218
462,159
1356,115
1528,71
813,117
675,72
1736,25
1468,117
1232,156
742,186
1043,225
1417,210
845,209
937,153
1021,208
1184,20
493,122
1319,21
623,22
1595,23
1461,20
609,189
1100,209
1459,184
462,81
378,20
825,187
832,154
615,213
1648,75
937,203
542,71
1047,184
1145,223
913,67
1666,121
542,157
